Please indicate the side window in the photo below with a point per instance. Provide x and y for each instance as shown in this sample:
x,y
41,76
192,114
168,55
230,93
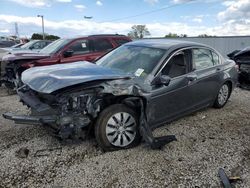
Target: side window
x,y
101,45
216,58
80,47
43,44
202,58
120,41
37,45
177,65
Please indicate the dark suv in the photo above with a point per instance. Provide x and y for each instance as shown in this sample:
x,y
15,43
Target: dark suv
x,y
87,48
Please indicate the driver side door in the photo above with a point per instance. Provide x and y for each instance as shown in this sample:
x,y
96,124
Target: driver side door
x,y
172,100
80,51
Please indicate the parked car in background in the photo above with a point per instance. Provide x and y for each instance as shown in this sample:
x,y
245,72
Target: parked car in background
x,y
242,58
15,46
33,45
136,87
6,43
87,48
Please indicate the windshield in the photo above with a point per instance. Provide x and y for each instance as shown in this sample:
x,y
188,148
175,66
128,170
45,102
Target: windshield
x,y
136,60
54,46
28,44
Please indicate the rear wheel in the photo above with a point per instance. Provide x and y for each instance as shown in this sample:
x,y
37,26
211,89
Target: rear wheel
x,y
117,128
223,95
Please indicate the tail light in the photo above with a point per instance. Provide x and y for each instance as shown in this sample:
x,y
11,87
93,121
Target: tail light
x,y
28,65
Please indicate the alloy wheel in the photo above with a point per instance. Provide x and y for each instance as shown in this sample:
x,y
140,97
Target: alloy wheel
x,y
223,94
121,129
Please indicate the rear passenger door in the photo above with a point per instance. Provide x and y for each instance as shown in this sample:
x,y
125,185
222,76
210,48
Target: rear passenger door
x,y
100,46
207,72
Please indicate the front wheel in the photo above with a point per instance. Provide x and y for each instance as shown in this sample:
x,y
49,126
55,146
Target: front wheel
x,y
223,95
117,128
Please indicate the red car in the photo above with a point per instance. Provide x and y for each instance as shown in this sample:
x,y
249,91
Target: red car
x,y
87,48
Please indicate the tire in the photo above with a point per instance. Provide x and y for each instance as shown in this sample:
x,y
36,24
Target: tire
x,y
117,128
223,96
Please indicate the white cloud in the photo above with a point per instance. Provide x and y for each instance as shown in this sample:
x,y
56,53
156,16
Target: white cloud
x,y
99,3
4,31
198,20
38,3
181,1
32,3
64,1
236,10
80,7
227,3
71,28
152,2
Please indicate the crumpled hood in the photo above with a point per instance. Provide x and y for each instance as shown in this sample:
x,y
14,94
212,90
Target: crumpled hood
x,y
240,56
47,79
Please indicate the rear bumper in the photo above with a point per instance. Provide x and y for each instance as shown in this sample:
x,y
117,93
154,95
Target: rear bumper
x,y
2,67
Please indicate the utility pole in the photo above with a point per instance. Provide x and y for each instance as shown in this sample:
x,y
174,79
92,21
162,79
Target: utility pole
x,y
16,30
42,25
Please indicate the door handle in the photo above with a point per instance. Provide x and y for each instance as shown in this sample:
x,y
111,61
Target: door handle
x,y
192,77
218,69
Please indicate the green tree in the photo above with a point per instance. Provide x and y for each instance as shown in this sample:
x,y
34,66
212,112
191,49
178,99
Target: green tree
x,y
205,36
51,37
37,36
174,35
138,31
171,35
183,35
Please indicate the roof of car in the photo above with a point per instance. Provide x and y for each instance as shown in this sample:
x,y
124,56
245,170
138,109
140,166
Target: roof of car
x,y
164,43
99,35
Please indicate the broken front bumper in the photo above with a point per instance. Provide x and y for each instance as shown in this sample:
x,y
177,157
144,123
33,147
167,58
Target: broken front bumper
x,y
46,114
26,119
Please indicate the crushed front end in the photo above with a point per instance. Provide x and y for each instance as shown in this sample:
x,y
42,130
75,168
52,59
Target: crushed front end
x,y
244,75
67,113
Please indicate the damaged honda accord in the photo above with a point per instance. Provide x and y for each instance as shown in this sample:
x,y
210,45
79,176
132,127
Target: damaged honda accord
x,y
128,92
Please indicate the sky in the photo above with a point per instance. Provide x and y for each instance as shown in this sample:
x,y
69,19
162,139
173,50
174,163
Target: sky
x,y
66,18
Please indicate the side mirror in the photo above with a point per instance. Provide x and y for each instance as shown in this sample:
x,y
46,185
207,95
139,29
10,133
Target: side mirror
x,y
165,80
31,47
162,80
68,53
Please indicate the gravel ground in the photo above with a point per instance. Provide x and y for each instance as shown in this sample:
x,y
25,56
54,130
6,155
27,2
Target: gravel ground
x,y
207,140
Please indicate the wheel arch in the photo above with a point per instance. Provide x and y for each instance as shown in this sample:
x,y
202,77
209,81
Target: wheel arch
x,y
128,100
230,84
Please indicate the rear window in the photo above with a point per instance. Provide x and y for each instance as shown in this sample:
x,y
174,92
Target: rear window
x,y
216,58
102,45
202,58
121,41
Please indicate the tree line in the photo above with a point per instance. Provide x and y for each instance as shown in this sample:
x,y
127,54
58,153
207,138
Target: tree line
x,y
137,32
38,36
141,31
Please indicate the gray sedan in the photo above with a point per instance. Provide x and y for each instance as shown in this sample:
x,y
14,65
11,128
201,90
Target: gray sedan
x,y
128,92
